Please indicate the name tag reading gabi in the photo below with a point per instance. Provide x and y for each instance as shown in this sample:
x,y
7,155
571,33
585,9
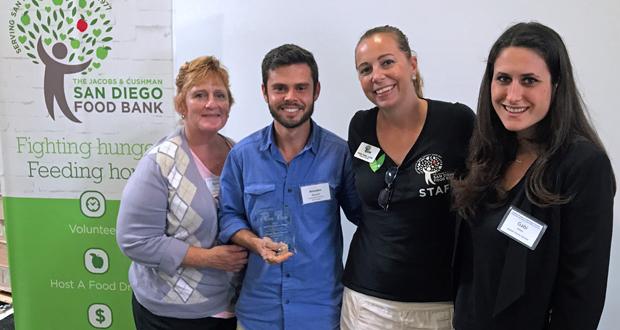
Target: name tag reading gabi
x,y
315,193
367,152
522,227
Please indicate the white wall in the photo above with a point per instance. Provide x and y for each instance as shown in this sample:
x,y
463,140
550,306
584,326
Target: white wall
x,y
452,39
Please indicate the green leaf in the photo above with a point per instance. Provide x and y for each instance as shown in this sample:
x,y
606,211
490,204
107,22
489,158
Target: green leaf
x,y
49,21
26,47
45,28
31,43
21,28
62,13
32,35
55,16
108,29
71,57
106,22
90,51
55,35
35,62
70,30
38,15
36,27
93,22
74,11
25,19
106,39
98,9
59,25
35,3
69,4
31,55
94,40
89,39
377,163
92,3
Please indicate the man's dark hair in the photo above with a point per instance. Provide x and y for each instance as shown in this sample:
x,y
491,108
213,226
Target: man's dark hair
x,y
288,54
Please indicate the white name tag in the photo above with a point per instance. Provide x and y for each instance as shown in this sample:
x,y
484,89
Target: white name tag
x,y
367,152
522,227
315,193
214,186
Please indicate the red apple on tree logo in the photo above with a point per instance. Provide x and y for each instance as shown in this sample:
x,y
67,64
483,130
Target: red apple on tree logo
x,y
82,25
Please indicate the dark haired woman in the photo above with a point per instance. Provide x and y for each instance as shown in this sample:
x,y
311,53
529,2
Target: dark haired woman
x,y
533,252
406,150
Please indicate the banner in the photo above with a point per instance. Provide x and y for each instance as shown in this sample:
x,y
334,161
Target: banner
x,y
86,89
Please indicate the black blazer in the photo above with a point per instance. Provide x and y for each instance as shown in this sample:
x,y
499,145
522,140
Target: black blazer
x,y
561,284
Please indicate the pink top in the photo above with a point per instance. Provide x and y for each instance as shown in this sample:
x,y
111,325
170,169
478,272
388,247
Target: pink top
x,y
213,184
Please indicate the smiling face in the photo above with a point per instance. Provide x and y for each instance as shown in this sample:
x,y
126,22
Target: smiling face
x,y
385,72
290,94
207,106
521,89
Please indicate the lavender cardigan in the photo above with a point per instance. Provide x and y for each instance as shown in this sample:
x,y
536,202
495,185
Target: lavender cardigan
x,y
165,208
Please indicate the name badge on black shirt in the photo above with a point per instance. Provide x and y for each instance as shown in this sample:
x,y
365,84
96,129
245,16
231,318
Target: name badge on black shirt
x,y
522,227
367,152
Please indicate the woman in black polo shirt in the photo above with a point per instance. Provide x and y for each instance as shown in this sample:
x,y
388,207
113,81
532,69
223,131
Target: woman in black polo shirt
x,y
406,148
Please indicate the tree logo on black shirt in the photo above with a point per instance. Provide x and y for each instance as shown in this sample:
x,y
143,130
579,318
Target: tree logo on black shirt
x,y
429,165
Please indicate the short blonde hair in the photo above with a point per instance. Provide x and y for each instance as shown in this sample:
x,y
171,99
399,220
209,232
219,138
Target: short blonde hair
x,y
195,71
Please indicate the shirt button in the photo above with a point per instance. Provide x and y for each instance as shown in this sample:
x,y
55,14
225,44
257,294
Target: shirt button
x,y
287,301
289,189
288,275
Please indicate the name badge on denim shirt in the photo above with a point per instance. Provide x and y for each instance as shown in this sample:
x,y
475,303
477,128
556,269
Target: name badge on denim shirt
x,y
522,227
315,193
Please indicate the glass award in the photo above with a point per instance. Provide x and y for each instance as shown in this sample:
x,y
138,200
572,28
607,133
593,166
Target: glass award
x,y
277,225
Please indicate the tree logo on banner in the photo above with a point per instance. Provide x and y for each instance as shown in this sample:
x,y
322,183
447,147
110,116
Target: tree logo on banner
x,y
66,37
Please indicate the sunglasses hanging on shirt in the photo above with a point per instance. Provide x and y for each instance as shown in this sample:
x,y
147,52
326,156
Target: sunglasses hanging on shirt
x,y
385,195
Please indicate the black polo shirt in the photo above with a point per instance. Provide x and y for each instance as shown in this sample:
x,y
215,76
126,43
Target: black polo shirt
x,y
404,254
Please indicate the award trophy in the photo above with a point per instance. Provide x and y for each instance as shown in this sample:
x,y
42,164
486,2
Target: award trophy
x,y
277,225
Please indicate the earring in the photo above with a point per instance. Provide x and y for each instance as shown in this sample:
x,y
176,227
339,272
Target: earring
x,y
413,78
182,116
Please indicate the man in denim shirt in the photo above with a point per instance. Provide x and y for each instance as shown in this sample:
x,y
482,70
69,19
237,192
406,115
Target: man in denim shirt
x,y
281,192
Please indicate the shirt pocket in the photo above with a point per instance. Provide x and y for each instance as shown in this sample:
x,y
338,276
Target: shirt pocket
x,y
259,196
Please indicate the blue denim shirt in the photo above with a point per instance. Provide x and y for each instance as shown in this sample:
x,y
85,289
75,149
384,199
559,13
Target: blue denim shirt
x,y
305,291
